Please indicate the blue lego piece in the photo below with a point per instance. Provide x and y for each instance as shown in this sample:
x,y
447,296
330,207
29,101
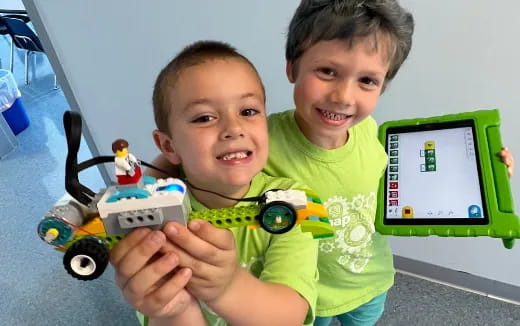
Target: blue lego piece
x,y
128,193
172,187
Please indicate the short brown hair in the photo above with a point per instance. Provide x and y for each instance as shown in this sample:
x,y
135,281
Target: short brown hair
x,y
192,55
327,20
119,144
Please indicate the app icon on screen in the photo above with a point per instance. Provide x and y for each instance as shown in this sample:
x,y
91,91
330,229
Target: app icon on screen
x,y
474,211
407,212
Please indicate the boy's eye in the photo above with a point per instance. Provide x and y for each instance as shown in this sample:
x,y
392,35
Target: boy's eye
x,y
327,72
369,81
203,118
249,112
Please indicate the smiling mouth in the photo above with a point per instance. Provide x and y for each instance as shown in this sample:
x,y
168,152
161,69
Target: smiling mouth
x,y
234,156
334,116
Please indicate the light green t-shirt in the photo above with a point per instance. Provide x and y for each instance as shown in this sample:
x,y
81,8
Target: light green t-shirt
x,y
289,258
357,264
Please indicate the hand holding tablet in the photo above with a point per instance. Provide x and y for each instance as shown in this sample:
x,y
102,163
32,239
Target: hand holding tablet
x,y
445,178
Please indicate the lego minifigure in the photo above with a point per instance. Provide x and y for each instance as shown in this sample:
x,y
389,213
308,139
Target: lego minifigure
x,y
127,167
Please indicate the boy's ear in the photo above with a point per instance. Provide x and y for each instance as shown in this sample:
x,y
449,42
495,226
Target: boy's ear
x,y
165,144
289,71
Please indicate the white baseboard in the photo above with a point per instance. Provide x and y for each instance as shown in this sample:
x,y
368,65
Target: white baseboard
x,y
457,279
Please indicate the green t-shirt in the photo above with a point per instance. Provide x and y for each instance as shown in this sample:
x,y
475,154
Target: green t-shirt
x,y
288,258
357,264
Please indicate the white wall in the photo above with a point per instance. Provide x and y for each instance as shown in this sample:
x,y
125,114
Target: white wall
x,y
112,51
464,57
12,5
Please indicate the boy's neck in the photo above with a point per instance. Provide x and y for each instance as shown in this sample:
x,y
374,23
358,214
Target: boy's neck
x,y
211,200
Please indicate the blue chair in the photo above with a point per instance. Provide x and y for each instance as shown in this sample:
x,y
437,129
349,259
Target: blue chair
x,y
24,38
5,32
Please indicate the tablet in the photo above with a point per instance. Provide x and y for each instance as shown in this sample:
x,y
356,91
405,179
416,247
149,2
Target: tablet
x,y
444,178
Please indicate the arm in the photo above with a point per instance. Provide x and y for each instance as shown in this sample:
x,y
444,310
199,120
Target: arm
x,y
191,316
162,163
285,293
122,164
223,285
133,160
260,302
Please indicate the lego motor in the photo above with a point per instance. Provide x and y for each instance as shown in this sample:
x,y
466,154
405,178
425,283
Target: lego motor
x,y
59,224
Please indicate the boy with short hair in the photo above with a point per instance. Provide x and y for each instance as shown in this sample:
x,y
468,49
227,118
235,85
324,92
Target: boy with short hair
x,y
341,55
209,105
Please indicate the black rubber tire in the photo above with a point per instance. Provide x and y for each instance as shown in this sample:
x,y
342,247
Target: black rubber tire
x,y
95,251
290,213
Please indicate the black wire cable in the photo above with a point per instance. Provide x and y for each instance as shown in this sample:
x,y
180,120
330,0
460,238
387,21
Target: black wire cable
x,y
153,167
72,124
249,199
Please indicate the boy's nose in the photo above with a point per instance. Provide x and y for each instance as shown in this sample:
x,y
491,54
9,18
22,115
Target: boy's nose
x,y
232,130
343,93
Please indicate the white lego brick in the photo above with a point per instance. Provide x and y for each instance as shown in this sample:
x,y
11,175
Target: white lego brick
x,y
297,198
157,199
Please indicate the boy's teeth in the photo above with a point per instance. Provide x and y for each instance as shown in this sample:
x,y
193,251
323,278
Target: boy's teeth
x,y
334,116
232,156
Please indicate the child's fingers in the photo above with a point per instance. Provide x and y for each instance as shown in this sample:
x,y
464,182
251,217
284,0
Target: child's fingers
x,y
146,280
137,257
511,166
220,238
507,157
190,243
125,245
164,296
506,153
167,247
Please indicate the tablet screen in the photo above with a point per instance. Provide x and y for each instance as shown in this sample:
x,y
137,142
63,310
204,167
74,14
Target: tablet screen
x,y
433,175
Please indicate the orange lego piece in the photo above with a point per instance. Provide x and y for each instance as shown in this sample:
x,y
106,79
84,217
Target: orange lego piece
x,y
95,226
312,209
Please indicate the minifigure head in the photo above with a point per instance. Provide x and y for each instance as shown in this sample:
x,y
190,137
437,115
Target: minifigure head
x,y
340,55
209,107
120,147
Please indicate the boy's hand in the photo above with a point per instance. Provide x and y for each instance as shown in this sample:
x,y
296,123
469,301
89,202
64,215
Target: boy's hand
x,y
209,252
507,157
145,275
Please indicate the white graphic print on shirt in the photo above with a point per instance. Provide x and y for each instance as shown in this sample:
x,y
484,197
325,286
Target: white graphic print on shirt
x,y
354,225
